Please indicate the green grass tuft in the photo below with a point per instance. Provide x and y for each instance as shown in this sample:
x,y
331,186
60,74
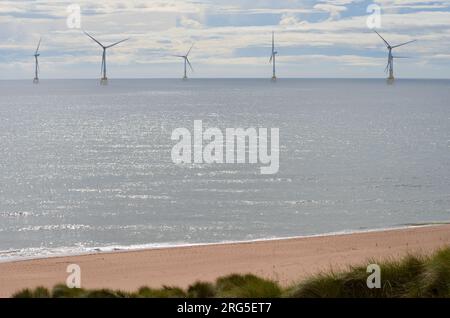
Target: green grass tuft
x,y
62,291
434,281
165,292
25,293
201,290
247,286
411,277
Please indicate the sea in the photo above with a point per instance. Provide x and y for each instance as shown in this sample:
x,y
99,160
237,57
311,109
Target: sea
x,y
86,168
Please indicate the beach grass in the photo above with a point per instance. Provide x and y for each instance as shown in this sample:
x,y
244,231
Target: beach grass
x,y
411,277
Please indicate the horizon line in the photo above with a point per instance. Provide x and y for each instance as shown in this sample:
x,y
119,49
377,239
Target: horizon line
x,y
227,78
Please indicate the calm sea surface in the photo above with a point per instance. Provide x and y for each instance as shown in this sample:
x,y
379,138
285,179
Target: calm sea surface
x,y
85,167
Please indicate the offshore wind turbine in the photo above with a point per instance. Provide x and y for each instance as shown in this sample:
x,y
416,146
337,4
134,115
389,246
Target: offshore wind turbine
x,y
186,62
104,79
390,64
36,65
272,58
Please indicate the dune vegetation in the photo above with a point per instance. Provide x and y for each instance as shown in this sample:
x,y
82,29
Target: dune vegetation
x,y
412,276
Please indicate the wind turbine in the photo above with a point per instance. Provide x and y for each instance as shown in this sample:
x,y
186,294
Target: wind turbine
x,y
186,62
391,57
272,57
36,67
104,79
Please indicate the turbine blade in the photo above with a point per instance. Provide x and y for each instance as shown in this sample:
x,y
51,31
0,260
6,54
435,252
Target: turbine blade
x,y
93,39
39,44
271,57
187,60
403,44
385,42
114,44
187,54
401,57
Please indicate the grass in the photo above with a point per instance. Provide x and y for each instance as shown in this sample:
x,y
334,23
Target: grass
x,y
412,276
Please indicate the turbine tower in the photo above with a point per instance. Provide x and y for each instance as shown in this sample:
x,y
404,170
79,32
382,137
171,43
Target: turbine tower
x,y
390,64
104,79
36,66
186,62
272,58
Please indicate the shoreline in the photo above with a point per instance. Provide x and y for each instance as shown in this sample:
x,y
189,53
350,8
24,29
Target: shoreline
x,y
286,260
112,249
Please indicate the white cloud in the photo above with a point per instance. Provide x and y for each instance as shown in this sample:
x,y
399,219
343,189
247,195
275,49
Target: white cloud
x,y
290,20
189,23
333,10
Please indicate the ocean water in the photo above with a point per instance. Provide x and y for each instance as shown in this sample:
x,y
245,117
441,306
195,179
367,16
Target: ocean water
x,y
85,167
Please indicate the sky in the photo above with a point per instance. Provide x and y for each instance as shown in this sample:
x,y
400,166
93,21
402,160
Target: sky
x,y
232,38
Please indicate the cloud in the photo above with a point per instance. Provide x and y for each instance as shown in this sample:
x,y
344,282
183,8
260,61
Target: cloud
x,y
189,23
333,10
290,20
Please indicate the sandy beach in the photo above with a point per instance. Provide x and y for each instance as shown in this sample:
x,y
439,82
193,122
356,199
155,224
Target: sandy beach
x,y
286,261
